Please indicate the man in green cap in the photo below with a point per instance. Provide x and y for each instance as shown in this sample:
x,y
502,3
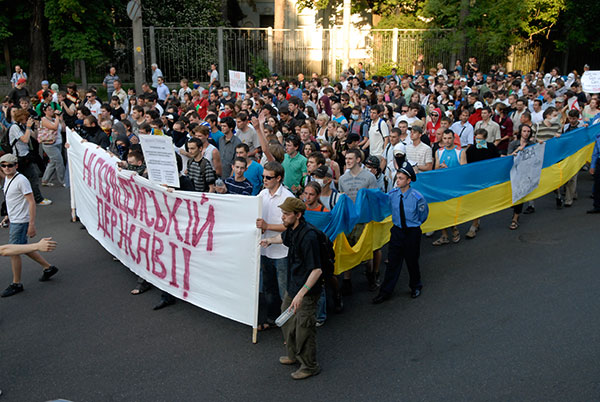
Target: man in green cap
x,y
303,288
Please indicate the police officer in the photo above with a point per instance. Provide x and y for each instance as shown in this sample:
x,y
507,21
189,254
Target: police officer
x,y
409,211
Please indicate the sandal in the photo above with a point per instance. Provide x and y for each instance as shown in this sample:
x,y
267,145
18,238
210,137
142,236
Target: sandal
x,y
472,232
141,288
441,241
513,225
264,327
455,235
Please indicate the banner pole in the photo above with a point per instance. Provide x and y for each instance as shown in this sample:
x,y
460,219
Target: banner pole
x,y
71,190
255,335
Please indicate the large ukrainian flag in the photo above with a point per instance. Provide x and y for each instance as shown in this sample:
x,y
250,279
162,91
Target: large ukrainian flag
x,y
455,196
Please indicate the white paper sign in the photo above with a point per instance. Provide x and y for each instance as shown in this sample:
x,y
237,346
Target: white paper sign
x,y
159,155
237,81
200,247
526,171
590,81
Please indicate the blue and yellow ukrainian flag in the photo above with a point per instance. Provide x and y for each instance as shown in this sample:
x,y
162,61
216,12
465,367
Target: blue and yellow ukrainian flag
x,y
455,195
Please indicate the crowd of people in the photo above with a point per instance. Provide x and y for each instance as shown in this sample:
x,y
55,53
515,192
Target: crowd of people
x,y
307,138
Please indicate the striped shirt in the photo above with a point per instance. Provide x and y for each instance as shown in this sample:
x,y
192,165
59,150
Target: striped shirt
x,y
542,132
238,187
201,173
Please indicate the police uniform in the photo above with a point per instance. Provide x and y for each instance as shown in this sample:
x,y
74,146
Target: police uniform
x,y
409,211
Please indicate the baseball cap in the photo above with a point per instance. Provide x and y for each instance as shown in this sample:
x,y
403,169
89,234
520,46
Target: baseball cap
x,y
45,82
21,81
478,105
293,204
323,171
9,158
399,149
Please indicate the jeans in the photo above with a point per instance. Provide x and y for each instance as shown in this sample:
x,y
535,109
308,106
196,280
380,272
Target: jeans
x,y
17,233
322,306
56,165
273,284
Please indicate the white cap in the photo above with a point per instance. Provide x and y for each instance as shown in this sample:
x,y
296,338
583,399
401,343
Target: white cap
x,y
478,105
399,148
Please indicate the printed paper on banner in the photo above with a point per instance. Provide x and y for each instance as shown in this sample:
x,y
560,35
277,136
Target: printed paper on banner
x,y
202,248
526,171
237,81
159,155
590,82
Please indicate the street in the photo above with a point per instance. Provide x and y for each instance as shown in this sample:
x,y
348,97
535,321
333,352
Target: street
x,y
507,316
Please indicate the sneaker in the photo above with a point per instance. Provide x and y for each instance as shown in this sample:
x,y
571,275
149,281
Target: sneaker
x,y
48,184
45,201
12,290
48,273
320,323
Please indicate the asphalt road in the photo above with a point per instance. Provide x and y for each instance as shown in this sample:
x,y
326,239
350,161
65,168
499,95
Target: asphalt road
x,y
508,316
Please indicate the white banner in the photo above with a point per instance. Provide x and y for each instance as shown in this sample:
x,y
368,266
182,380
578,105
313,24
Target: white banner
x,y
590,82
237,81
526,170
202,248
159,155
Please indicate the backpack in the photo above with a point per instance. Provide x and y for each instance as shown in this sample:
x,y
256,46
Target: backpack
x,y
326,253
5,144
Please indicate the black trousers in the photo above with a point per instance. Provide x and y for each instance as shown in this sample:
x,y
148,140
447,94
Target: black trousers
x,y
405,244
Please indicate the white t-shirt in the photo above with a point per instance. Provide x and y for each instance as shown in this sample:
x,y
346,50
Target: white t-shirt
x,y
271,213
377,133
16,204
419,155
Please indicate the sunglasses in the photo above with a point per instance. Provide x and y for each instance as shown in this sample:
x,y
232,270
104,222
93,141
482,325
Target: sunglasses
x,y
8,165
265,177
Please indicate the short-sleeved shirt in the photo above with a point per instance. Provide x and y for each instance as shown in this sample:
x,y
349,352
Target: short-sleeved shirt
x,y
227,151
294,169
303,257
201,173
271,213
109,80
378,131
419,154
16,204
249,137
238,187
350,184
14,134
492,128
254,174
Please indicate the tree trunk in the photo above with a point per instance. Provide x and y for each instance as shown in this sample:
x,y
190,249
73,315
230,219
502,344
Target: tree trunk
x,y
7,59
38,46
462,31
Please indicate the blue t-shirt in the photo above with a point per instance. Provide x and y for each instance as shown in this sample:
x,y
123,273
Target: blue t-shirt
x,y
295,92
254,175
216,136
238,187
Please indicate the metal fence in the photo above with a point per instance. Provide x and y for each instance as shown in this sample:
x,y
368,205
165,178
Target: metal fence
x,y
188,52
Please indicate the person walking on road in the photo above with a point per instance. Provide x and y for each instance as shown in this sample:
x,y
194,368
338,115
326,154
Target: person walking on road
x,y
21,213
303,288
409,211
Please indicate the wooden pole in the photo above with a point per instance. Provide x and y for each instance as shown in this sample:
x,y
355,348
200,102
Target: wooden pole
x,y
254,335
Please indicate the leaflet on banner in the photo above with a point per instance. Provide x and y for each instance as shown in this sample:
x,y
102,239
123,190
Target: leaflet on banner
x,y
200,247
590,82
159,155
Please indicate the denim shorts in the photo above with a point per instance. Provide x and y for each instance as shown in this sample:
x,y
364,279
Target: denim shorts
x,y
17,233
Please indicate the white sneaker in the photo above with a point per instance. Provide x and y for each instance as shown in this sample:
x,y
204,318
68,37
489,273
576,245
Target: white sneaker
x,y
45,201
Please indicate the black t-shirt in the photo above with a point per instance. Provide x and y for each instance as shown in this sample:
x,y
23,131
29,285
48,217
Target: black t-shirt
x,y
475,154
303,257
116,113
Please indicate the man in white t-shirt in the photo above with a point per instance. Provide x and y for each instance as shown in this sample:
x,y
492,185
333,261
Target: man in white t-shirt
x,y
379,132
273,259
20,206
418,154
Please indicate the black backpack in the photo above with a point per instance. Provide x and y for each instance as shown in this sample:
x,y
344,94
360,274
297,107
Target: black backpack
x,y
326,253
5,144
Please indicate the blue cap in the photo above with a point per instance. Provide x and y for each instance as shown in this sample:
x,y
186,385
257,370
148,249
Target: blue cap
x,y
408,170
45,82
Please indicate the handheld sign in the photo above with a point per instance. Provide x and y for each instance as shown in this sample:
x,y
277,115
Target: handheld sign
x,y
237,81
160,159
590,81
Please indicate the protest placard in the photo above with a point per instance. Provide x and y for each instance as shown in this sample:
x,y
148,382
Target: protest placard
x,y
237,81
590,81
202,248
526,171
159,155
